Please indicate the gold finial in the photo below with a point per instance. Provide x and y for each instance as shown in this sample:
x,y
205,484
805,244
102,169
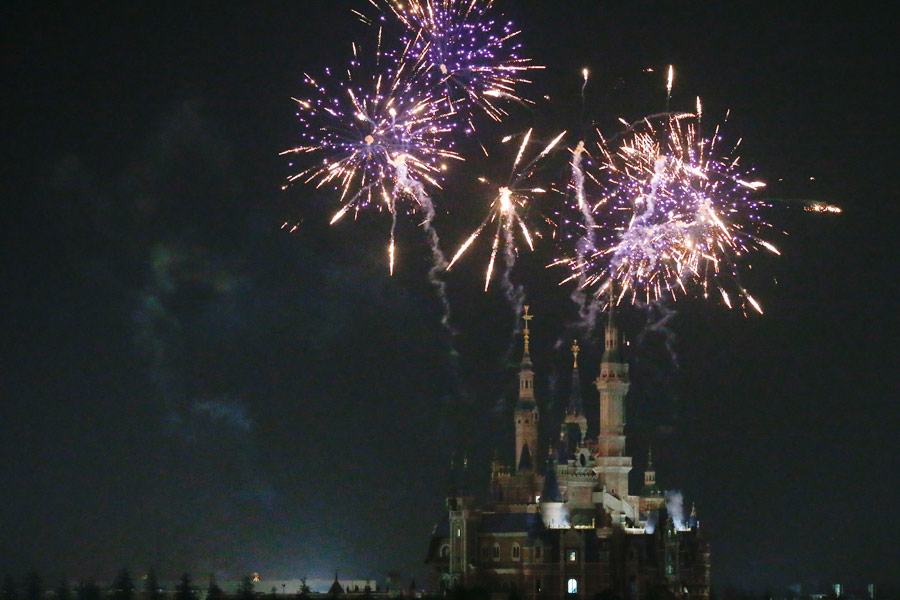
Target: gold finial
x,y
575,350
526,317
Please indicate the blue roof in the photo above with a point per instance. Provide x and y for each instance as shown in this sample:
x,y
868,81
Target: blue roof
x,y
525,461
550,493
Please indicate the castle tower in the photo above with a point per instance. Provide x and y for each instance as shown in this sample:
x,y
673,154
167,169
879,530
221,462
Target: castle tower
x,y
574,425
613,385
526,413
652,498
553,509
463,529
650,488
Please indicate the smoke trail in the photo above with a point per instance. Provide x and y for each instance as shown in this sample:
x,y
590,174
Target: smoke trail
x,y
405,184
658,317
588,306
515,294
228,412
675,508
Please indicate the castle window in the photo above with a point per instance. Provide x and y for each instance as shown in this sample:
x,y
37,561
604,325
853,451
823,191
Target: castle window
x,y
516,552
572,556
496,552
458,532
445,551
572,586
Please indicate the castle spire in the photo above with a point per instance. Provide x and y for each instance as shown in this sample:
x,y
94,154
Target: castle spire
x,y
575,407
526,412
574,426
526,355
650,488
526,375
611,352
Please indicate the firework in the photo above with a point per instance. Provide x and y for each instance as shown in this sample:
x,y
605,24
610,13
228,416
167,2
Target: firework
x,y
508,208
463,54
819,207
679,213
375,138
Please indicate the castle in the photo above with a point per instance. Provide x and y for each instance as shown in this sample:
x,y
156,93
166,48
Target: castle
x,y
564,524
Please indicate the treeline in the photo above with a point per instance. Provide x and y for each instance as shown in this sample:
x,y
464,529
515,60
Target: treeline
x,y
123,587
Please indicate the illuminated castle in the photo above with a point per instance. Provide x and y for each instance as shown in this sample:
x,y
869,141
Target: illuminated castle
x,y
565,525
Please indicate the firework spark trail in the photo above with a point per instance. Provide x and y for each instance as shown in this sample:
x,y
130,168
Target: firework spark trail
x,y
507,209
585,73
670,79
468,57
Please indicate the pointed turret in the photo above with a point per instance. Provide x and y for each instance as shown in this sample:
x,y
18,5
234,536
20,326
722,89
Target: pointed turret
x,y
650,488
693,520
553,510
574,426
550,491
525,460
526,413
575,406
335,590
612,351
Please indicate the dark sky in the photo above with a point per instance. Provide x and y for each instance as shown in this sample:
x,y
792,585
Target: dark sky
x,y
184,383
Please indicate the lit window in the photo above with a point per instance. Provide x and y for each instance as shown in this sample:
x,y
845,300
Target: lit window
x,y
516,552
445,551
573,556
572,586
458,532
496,552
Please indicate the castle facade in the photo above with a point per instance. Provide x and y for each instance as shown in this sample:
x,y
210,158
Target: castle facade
x,y
562,522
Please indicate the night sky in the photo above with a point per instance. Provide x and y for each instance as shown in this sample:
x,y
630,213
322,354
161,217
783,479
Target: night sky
x,y
186,384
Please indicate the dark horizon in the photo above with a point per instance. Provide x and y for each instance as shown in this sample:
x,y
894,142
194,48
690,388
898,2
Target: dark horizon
x,y
185,380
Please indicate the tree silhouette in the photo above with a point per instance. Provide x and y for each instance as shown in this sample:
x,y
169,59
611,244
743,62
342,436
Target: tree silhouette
x,y
214,592
123,586
9,591
63,591
303,592
151,586
245,589
184,590
34,587
88,590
